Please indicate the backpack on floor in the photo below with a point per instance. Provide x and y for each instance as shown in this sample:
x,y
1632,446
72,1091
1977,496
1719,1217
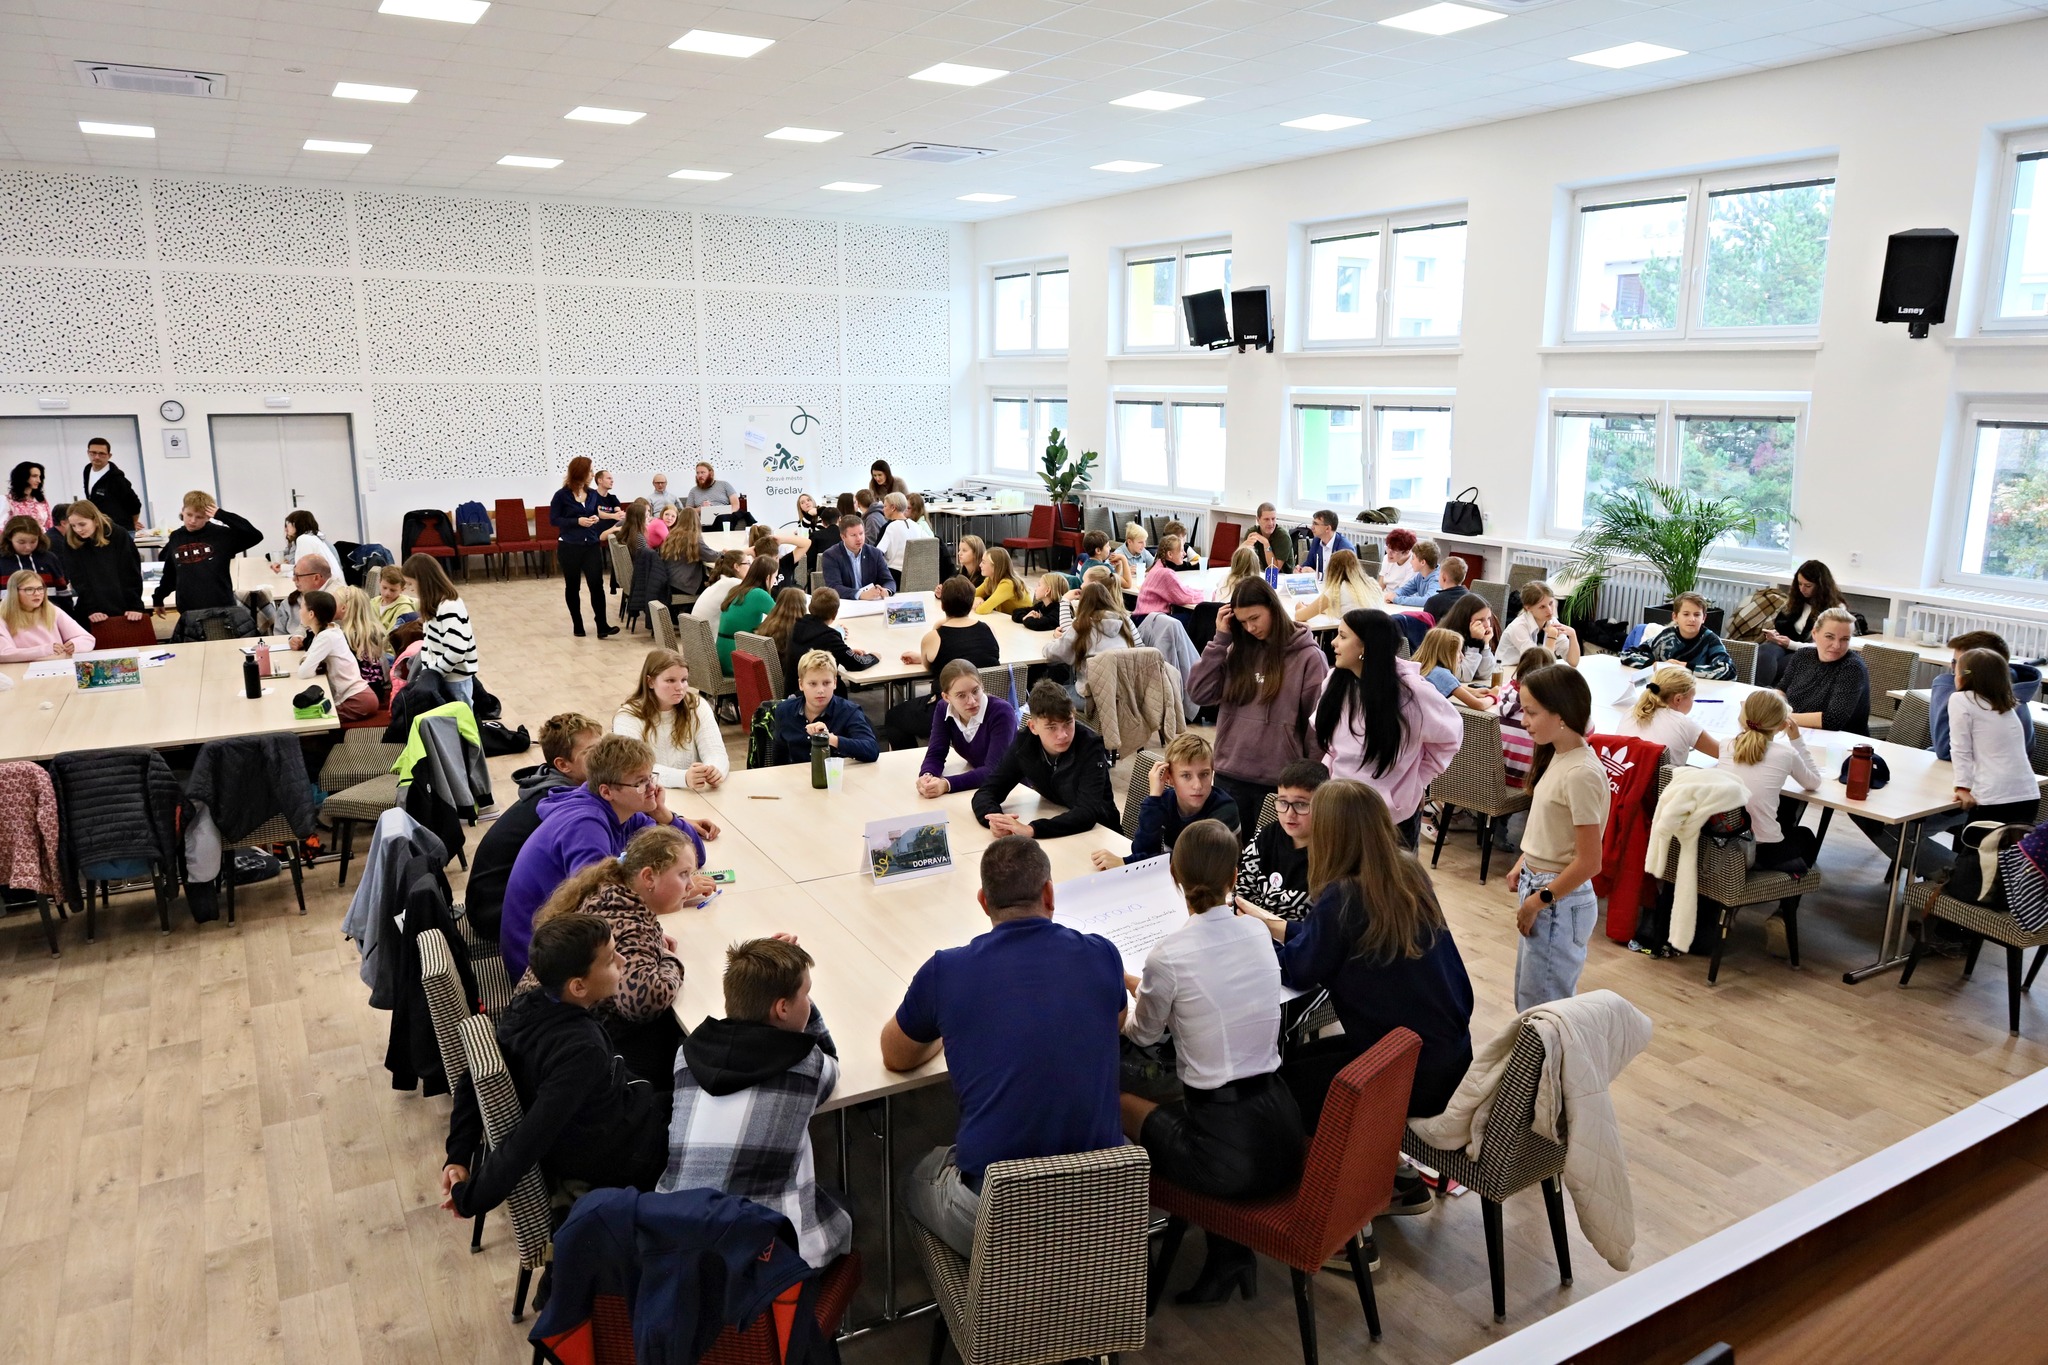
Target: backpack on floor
x,y
499,741
472,523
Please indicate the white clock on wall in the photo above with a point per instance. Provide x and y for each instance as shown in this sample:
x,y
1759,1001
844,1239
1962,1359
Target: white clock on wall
x,y
172,410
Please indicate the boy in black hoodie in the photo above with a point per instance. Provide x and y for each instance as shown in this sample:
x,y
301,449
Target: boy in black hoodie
x,y
586,1116
196,555
1060,759
565,742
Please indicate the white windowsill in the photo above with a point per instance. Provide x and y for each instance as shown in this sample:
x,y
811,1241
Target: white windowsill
x,y
1666,347
1367,352
1025,355
1997,340
1182,356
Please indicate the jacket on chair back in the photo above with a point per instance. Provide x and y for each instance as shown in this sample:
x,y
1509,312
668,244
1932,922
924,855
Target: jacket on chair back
x,y
115,804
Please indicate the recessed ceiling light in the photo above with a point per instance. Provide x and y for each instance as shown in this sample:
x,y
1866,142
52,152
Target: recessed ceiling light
x,y
1325,123
986,198
1441,19
1628,54
803,134
448,11
321,144
951,73
849,187
531,163
586,114
117,129
699,175
388,94
1157,99
720,44
1127,166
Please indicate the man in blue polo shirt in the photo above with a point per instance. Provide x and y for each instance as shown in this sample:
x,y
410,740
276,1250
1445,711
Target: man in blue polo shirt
x,y
1029,1015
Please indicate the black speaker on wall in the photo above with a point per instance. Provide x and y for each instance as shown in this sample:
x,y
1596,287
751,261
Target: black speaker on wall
x,y
1918,266
1208,323
1251,314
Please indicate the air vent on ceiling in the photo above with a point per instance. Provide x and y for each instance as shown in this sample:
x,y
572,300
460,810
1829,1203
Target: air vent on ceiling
x,y
151,80
1510,6
938,153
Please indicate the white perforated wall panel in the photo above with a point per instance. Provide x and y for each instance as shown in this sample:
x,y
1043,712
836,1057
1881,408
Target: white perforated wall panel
x,y
76,321
624,244
739,250
458,431
452,327
909,425
423,234
631,429
605,329
238,224
898,335
765,334
896,256
79,217
261,324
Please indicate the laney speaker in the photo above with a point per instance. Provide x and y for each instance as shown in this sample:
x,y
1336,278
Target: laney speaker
x,y
1251,312
1208,324
1917,268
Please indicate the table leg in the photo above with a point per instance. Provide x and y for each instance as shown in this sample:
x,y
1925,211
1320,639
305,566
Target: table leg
x,y
1890,955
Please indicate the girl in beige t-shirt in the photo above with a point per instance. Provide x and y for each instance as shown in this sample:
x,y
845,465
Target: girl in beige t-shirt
x,y
1561,845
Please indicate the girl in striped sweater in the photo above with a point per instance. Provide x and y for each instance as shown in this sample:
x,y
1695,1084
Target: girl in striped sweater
x,y
447,644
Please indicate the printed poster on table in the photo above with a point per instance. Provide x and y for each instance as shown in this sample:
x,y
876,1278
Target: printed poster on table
x,y
769,453
908,847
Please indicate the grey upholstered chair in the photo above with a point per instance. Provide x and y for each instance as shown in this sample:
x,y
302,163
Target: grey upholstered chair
x,y
498,1102
920,566
1727,883
763,648
1743,654
1891,670
1477,780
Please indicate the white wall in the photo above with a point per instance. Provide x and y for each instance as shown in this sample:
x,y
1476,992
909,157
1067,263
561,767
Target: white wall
x,y
1913,128
476,344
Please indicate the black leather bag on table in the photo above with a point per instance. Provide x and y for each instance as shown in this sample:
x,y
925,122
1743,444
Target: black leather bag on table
x,y
1461,514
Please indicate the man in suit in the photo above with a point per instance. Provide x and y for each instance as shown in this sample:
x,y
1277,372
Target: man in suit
x,y
1325,542
854,568
107,488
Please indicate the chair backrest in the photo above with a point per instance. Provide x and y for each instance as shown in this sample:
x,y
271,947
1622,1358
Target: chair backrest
x,y
1369,557
445,1002
1910,724
118,632
498,1103
1510,1144
661,624
544,528
1925,671
1100,518
1041,522
1742,653
1228,535
1000,681
1495,595
1269,811
1478,776
1060,1255
1891,670
1116,678
1140,787
920,566
1519,574
1068,517
699,646
1349,1172
750,677
622,564
763,648
510,520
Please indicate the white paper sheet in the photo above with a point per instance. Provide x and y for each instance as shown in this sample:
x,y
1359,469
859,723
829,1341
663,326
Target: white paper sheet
x,y
1133,906
61,668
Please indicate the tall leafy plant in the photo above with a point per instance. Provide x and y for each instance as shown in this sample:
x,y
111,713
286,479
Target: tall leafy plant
x,y
1065,476
1662,524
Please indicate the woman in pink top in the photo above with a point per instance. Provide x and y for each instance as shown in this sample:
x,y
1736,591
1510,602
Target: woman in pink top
x,y
1164,588
32,628
1380,722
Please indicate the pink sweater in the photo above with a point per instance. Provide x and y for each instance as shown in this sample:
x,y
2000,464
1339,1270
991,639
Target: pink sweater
x,y
1164,587
40,642
1256,740
1430,735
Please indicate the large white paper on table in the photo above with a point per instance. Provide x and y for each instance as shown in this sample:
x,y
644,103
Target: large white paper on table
x,y
61,668
1133,906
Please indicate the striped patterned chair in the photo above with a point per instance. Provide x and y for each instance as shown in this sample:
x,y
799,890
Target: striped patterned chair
x,y
1477,780
1512,1157
498,1102
1984,922
1002,681
920,566
1140,787
1910,724
1727,883
1494,594
1891,670
448,1004
1058,1269
699,647
1743,654
662,625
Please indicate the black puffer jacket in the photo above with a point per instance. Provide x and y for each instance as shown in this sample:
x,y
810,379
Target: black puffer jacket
x,y
115,804
243,782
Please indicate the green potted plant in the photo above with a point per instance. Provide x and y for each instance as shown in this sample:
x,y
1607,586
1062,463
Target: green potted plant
x,y
1065,477
1664,525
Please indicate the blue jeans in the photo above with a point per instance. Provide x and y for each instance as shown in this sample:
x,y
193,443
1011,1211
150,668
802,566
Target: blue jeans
x,y
463,687
1548,961
937,1197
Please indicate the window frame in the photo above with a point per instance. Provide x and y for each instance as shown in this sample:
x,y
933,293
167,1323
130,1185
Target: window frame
x,y
2032,412
1035,395
1668,411
1179,251
2028,143
1170,398
1697,191
1385,225
1368,403
1037,270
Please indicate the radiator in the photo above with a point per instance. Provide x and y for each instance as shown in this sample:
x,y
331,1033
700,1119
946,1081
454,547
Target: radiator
x,y
2026,639
1629,588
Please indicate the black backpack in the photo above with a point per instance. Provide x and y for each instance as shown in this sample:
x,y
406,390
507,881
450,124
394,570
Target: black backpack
x,y
498,740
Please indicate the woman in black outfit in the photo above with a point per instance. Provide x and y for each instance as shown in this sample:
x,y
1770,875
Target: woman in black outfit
x,y
961,635
101,561
1812,592
577,511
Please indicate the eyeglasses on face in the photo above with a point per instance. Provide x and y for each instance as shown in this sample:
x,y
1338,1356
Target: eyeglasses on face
x,y
1286,807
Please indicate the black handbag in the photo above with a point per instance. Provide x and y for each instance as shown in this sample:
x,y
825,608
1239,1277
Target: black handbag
x,y
1461,514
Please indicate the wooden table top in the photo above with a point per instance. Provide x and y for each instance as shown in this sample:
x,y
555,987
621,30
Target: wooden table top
x,y
874,634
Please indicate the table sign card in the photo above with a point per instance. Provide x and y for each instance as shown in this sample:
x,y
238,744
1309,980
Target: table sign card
x,y
904,611
908,847
95,675
1298,585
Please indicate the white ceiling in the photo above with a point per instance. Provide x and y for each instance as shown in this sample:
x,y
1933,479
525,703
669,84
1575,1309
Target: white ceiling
x,y
502,85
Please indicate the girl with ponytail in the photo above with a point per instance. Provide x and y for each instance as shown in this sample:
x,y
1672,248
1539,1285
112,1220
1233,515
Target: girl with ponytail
x,y
1762,765
1663,715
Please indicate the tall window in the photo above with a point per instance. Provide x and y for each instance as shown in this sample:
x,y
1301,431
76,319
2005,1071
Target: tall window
x,y
1028,310
1730,255
2019,287
1171,443
2004,540
1393,281
1372,449
1022,423
1742,451
1155,278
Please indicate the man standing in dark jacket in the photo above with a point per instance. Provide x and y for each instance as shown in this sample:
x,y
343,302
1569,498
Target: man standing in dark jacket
x,y
108,488
565,742
196,555
1062,761
585,1115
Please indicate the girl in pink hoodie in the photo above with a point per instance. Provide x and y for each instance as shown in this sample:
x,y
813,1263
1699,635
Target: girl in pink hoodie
x,y
1380,722
32,628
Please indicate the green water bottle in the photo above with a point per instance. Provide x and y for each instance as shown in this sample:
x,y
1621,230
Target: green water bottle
x,y
820,748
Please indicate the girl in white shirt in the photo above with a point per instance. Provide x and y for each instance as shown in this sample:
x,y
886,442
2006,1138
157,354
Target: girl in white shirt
x,y
447,643
1994,777
1782,844
1214,984
1663,715
675,720
327,648
724,580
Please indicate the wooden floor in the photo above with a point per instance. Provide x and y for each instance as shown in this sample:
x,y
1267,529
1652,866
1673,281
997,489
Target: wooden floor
x,y
201,1157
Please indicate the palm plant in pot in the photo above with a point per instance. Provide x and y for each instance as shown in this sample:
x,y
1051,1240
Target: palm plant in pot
x,y
1668,527
1065,477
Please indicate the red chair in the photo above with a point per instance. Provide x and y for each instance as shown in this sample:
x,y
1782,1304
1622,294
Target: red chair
x,y
750,677
431,545
1067,529
380,721
547,533
1348,1178
1228,534
464,553
1039,540
514,538
118,632
611,1321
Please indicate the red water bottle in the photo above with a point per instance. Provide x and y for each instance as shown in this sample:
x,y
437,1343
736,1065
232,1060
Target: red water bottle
x,y
1859,771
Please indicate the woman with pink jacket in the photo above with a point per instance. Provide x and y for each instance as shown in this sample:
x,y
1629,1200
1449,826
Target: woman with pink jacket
x,y
1381,723
32,627
1263,673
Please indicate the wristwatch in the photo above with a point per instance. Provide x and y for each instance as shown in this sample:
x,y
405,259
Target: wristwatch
x,y
1544,895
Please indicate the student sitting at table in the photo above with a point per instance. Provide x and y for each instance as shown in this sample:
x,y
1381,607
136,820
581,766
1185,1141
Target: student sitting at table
x,y
721,580
1438,658
327,650
1538,626
746,608
1272,872
1685,641
1397,549
791,606
33,627
1098,627
972,724
1422,584
1763,766
676,721
817,709
1163,588
1060,759
958,635
1346,588
1451,575
101,563
1243,564
1827,682
1561,842
1324,540
1132,559
580,826
447,643
780,548
1028,1015
1663,714
686,558
630,893
813,631
1094,550
1994,777
565,744
1097,574
968,552
584,1116
395,606
1472,620
1183,790
1190,553
746,1088
1213,984
1044,612
197,554
1271,547
356,615
1001,588
2025,679
872,515
1380,722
